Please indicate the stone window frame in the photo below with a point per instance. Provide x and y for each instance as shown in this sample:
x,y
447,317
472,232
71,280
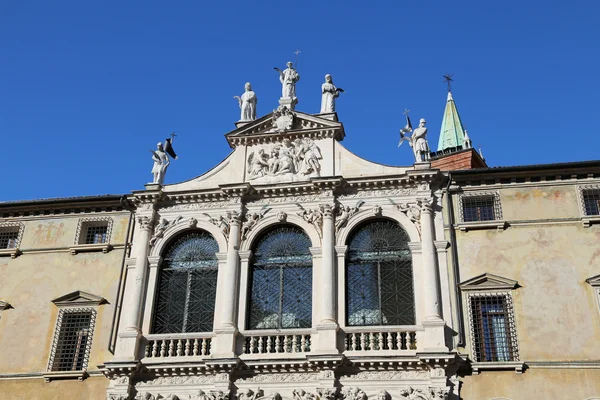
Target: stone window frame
x,y
594,282
497,223
81,232
73,302
13,252
492,285
587,220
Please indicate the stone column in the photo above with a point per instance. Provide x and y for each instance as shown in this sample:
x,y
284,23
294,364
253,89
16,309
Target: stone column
x,y
327,326
128,340
327,284
433,323
230,273
226,332
136,297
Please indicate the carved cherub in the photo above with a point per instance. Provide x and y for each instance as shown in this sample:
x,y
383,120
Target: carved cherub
x,y
302,395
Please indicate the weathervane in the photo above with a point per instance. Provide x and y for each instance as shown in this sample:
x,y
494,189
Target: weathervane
x,y
448,79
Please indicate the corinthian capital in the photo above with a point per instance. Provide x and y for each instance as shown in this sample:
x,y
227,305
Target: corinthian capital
x,y
145,223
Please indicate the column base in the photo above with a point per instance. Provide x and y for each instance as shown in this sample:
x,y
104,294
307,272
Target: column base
x,y
327,338
127,346
434,338
224,343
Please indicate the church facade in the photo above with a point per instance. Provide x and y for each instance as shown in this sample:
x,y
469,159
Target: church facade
x,y
297,270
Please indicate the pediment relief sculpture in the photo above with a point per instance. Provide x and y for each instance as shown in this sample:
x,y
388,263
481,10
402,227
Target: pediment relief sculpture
x,y
285,161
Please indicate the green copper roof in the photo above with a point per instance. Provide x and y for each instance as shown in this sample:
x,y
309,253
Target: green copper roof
x,y
452,133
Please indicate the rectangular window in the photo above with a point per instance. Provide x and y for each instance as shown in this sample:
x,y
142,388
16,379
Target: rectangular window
x,y
72,339
96,233
591,201
9,237
479,208
492,328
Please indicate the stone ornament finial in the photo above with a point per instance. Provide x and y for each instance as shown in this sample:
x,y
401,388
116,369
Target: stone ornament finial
x,y
247,102
328,95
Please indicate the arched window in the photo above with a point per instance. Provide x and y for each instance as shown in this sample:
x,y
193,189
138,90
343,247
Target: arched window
x,y
379,279
187,285
281,280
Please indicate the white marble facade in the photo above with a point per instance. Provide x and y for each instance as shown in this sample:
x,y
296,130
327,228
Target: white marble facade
x,y
305,178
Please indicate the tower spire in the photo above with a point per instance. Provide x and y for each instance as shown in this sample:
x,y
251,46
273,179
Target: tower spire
x,y
452,133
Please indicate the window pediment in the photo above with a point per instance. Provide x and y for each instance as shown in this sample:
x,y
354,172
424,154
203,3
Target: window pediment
x,y
79,298
488,282
594,281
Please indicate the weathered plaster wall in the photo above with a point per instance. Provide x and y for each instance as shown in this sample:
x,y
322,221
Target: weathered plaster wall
x,y
47,270
28,389
556,312
536,384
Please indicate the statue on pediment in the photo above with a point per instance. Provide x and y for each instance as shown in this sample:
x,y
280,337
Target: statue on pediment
x,y
328,95
247,102
418,139
160,156
288,79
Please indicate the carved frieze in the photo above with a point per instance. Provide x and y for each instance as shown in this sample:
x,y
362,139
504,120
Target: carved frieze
x,y
386,375
287,199
280,377
179,380
300,159
380,193
195,206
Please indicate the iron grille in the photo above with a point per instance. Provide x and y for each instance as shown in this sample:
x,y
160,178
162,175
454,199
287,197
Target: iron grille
x,y
96,233
591,201
187,285
9,237
73,340
479,208
281,282
379,282
492,336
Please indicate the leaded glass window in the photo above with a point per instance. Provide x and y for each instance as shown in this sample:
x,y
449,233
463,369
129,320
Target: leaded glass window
x,y
379,278
187,285
281,282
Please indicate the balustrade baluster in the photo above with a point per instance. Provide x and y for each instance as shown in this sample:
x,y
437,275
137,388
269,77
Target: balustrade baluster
x,y
163,348
362,342
260,345
371,341
154,348
195,348
269,344
294,343
277,344
380,341
390,342
286,344
302,343
203,349
354,341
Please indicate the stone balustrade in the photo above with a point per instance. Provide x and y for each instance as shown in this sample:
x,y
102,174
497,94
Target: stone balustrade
x,y
275,342
160,346
389,338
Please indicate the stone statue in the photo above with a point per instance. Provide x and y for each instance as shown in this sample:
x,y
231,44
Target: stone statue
x,y
161,163
414,394
247,103
417,141
248,394
328,95
161,159
288,79
344,213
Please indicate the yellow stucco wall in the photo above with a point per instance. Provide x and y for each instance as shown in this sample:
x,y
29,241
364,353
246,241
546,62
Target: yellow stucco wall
x,y
534,384
31,281
549,252
93,388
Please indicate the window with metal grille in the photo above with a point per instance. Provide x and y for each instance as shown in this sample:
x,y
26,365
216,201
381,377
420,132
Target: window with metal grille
x,y
591,201
96,232
281,280
493,330
9,237
72,339
187,285
379,277
479,208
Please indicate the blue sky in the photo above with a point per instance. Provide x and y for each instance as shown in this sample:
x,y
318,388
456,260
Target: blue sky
x,y
88,87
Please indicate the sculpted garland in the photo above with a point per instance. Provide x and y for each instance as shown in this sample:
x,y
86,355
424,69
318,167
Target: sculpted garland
x,y
298,158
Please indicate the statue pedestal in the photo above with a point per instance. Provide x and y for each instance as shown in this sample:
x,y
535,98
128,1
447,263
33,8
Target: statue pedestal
x,y
288,102
153,186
